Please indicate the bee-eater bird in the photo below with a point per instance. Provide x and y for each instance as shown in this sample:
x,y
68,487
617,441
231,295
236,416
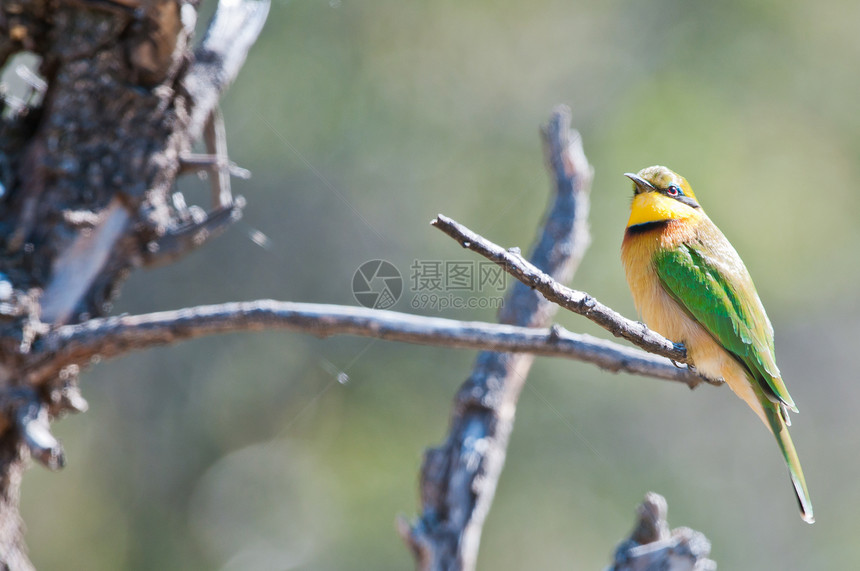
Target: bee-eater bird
x,y
690,285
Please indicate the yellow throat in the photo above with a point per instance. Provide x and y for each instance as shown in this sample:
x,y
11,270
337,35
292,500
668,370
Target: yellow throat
x,y
655,207
661,195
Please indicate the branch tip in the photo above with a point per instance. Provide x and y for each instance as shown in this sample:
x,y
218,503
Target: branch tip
x,y
652,545
72,400
33,424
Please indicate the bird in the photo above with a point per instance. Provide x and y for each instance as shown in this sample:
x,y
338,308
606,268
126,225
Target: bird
x,y
690,285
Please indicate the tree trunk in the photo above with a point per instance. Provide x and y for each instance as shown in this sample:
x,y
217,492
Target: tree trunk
x,y
88,163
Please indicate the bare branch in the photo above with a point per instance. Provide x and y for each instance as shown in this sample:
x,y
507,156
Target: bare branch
x,y
115,336
652,546
576,301
458,479
229,37
188,237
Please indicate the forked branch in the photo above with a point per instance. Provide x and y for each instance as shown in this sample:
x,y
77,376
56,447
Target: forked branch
x,y
571,299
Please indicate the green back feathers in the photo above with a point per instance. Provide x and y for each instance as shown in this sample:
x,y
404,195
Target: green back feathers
x,y
717,291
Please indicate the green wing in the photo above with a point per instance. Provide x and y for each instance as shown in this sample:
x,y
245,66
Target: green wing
x,y
710,281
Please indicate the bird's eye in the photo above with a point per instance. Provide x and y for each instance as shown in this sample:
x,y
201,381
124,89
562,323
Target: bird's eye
x,y
674,190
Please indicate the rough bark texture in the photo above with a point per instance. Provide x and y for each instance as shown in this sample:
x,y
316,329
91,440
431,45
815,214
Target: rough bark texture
x,y
652,547
458,479
87,166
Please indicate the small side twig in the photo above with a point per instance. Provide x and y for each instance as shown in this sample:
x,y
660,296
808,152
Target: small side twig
x,y
186,238
34,424
32,420
215,139
195,162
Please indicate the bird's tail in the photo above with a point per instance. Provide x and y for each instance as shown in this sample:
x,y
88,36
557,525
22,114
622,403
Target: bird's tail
x,y
780,431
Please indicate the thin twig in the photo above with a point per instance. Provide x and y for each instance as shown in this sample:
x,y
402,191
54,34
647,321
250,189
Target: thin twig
x,y
576,301
192,235
195,162
215,138
112,337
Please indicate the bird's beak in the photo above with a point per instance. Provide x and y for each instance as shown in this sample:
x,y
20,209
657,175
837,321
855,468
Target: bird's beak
x,y
642,185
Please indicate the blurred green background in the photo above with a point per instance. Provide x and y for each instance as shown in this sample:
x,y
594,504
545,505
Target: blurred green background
x,y
362,120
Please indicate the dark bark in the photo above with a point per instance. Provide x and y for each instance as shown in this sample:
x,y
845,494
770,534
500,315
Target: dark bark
x,y
88,170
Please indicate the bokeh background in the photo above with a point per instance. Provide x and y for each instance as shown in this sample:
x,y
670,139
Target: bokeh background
x,y
362,120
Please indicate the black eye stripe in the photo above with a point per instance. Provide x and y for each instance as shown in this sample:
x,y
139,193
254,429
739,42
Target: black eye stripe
x,y
687,200
675,191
